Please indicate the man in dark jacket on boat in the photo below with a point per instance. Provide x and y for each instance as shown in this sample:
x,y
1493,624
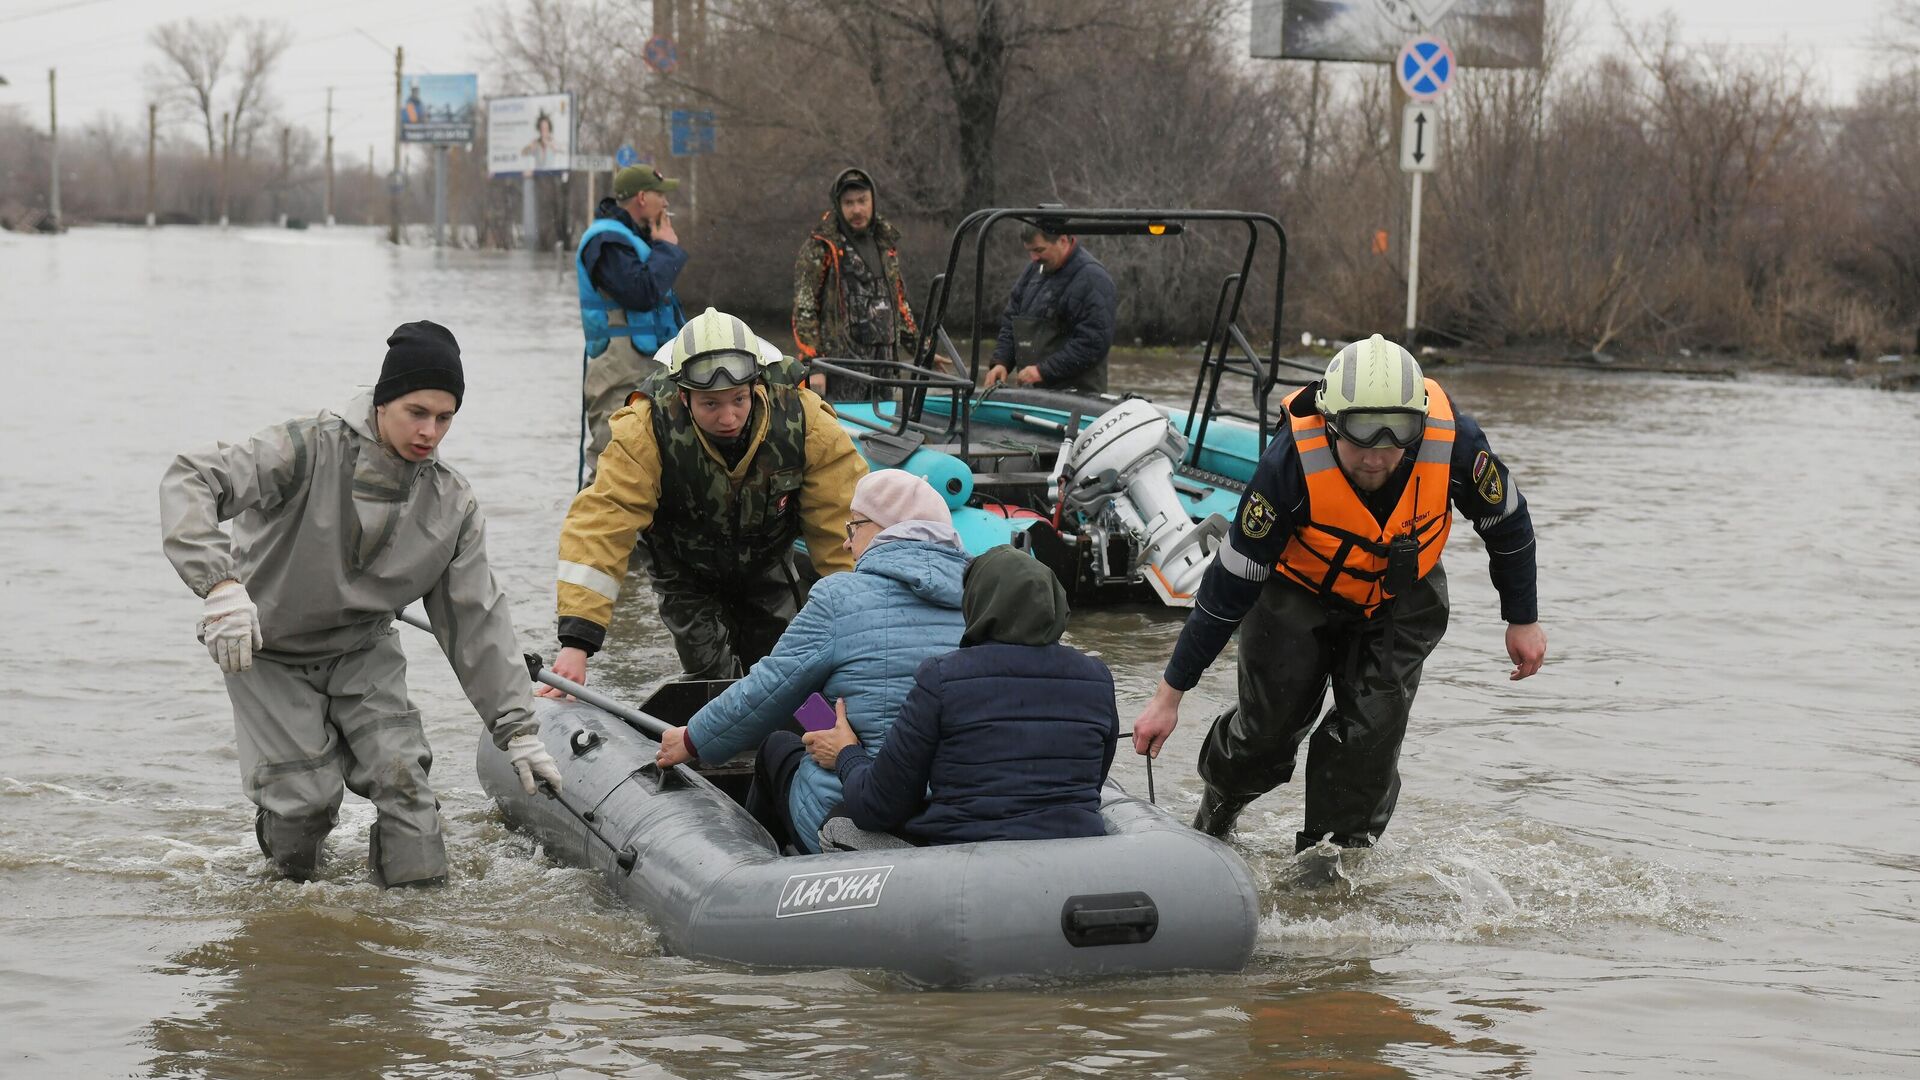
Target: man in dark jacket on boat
x,y
1008,737
1058,324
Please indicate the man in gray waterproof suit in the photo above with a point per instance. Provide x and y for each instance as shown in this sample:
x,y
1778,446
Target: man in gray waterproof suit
x,y
340,521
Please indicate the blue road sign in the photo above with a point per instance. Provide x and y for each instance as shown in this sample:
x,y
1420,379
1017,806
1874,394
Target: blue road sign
x,y
693,132
1424,67
660,55
625,156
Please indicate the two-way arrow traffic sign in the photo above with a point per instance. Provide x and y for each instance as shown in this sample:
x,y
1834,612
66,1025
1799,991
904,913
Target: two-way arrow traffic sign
x,y
1419,137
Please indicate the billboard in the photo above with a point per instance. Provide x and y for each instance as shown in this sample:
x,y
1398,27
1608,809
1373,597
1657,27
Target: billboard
x,y
530,135
439,108
1482,33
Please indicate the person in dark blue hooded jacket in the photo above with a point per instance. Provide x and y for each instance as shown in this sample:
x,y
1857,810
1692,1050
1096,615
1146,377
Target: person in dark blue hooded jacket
x,y
1008,737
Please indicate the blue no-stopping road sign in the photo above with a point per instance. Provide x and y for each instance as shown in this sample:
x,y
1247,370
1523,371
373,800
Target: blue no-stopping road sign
x,y
1424,67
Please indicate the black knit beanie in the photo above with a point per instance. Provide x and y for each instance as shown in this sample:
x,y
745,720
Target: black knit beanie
x,y
421,356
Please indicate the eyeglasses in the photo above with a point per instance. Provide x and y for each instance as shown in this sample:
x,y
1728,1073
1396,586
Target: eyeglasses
x,y
725,368
854,523
1370,429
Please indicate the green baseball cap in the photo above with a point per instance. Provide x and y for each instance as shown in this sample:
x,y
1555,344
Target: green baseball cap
x,y
635,179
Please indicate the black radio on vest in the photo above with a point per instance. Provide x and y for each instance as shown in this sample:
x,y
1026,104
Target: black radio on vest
x,y
1403,564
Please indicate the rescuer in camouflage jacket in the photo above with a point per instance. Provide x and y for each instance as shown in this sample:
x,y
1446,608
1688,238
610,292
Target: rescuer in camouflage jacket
x,y
849,298
717,466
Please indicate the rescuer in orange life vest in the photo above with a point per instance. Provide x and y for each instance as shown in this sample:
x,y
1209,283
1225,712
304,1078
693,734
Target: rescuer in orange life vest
x,y
1333,562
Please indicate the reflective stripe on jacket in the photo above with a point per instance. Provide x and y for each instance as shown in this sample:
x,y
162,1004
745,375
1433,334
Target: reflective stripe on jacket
x,y
596,543
1342,550
601,318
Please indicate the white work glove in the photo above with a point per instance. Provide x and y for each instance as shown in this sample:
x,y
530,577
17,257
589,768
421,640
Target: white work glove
x,y
230,627
533,763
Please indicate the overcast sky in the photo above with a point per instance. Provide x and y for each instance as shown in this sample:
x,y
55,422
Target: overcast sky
x,y
101,50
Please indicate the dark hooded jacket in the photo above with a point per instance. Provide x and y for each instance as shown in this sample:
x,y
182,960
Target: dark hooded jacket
x,y
821,320
1008,737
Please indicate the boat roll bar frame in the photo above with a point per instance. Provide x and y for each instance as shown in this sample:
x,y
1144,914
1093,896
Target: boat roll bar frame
x,y
1228,350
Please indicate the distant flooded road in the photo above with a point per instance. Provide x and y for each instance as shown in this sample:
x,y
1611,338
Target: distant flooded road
x,y
1687,848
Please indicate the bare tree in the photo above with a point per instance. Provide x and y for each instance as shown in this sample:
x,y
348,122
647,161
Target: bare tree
x,y
1903,25
1725,123
262,43
196,56
193,57
976,42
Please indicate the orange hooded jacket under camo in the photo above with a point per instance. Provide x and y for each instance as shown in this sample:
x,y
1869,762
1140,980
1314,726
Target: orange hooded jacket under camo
x,y
822,323
1342,550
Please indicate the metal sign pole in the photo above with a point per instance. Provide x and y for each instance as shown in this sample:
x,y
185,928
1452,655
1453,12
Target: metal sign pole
x,y
439,194
529,212
1413,262
1423,69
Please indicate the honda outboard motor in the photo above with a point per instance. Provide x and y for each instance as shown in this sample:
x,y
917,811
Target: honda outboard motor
x,y
1119,479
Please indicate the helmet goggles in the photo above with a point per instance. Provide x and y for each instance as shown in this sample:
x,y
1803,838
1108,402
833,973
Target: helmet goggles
x,y
1369,428
718,370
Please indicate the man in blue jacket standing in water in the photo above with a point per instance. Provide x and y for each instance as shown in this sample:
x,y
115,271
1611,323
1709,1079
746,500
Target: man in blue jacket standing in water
x,y
624,271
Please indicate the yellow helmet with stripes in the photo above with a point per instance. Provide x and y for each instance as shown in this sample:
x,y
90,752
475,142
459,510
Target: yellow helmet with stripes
x,y
1373,391
714,351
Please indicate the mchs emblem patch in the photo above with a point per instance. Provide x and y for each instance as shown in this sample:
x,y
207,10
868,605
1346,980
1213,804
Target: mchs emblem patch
x,y
1257,517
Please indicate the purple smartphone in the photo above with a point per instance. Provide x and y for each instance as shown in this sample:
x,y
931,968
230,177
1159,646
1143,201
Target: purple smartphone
x,y
815,714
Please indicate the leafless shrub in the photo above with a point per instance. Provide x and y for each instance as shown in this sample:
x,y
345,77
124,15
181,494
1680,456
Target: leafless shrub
x,y
1666,196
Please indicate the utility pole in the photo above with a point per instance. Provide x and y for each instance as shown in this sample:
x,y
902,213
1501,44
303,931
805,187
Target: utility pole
x,y
393,183
153,127
329,157
280,184
53,134
1313,123
226,162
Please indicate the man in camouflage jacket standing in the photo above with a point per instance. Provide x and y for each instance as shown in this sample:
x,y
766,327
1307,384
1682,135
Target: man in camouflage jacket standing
x,y
849,299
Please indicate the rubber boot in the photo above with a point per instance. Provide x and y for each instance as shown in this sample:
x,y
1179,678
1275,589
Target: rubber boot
x,y
1217,813
295,846
422,864
1317,864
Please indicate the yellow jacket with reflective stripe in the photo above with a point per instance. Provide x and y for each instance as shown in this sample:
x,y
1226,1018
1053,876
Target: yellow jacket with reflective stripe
x,y
606,518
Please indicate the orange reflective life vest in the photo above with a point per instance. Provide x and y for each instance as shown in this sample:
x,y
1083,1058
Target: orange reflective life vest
x,y
1342,549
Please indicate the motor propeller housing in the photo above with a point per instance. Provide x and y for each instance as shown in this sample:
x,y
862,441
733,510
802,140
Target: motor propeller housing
x,y
1119,480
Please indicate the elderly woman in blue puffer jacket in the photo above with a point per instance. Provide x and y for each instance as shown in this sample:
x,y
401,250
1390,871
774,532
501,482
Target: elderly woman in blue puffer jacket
x,y
860,637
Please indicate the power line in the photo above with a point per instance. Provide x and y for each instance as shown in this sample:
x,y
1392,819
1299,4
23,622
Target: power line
x,y
51,10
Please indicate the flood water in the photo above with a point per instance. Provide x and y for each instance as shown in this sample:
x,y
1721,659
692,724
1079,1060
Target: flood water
x,y
1690,847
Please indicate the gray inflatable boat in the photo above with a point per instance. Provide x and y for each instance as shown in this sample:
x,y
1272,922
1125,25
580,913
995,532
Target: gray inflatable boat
x,y
1151,896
